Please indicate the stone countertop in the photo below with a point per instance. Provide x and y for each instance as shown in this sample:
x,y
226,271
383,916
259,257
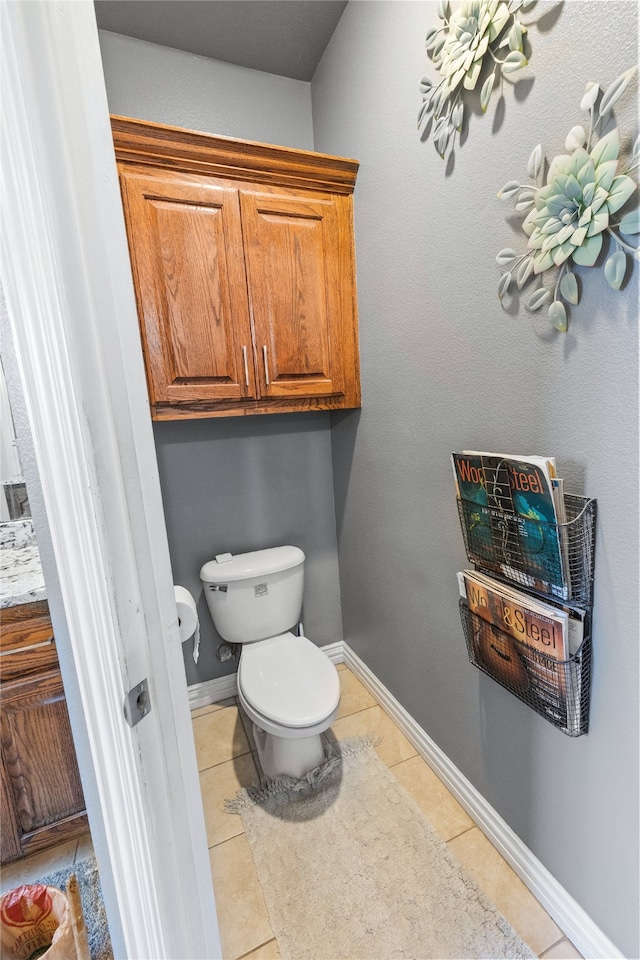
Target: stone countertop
x,y
21,579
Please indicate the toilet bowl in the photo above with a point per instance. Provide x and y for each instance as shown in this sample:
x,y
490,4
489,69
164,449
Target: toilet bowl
x,y
291,692
287,686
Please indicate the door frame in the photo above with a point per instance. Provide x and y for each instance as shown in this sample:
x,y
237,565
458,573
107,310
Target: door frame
x,y
71,306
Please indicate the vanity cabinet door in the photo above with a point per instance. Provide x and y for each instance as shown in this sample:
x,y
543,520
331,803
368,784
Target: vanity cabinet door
x,y
40,791
185,242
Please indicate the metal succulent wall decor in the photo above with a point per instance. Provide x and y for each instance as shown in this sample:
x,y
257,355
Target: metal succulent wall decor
x,y
479,32
569,217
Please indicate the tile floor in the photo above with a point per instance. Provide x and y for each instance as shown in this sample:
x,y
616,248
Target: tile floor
x,y
227,760
47,861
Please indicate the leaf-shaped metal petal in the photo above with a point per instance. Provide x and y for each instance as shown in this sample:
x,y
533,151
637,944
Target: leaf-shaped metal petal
x,y
615,269
539,298
506,256
524,271
439,127
443,8
509,190
514,61
579,235
457,115
587,254
430,39
558,316
576,138
569,287
522,206
443,140
630,224
485,93
607,148
619,192
424,110
425,85
613,93
590,95
534,166
573,189
505,283
515,37
605,175
542,261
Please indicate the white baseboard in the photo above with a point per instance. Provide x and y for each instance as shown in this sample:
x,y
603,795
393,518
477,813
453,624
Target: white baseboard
x,y
567,913
212,691
222,688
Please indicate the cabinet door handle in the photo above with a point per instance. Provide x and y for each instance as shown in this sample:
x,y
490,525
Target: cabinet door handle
x,y
266,364
246,366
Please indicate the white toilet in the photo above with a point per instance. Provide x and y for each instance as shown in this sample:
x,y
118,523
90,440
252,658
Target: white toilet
x,y
287,685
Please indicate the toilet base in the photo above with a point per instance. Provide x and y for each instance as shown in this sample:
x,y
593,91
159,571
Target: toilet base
x,y
279,756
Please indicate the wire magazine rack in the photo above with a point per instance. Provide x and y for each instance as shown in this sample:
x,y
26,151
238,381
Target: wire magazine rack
x,y
512,550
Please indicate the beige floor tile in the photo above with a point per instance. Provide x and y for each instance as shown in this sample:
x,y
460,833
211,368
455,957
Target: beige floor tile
x,y
31,869
562,951
217,784
441,808
507,891
354,696
219,736
210,707
394,746
268,951
242,915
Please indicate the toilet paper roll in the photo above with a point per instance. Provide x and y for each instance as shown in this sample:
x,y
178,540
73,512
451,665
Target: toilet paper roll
x,y
188,622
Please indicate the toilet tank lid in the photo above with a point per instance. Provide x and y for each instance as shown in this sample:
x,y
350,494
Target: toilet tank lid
x,y
243,566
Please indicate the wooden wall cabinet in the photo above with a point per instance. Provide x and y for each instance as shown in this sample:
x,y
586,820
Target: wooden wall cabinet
x,y
244,271
41,799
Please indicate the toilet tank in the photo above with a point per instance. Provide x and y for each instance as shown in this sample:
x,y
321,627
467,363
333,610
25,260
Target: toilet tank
x,y
253,596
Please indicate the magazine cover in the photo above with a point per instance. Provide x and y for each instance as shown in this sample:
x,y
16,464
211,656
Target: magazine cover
x,y
509,514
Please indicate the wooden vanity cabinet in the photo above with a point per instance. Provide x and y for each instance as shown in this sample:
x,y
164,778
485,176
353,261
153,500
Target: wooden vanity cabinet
x,y
243,266
41,799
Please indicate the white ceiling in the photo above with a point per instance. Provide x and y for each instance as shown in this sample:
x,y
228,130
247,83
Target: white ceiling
x,y
285,37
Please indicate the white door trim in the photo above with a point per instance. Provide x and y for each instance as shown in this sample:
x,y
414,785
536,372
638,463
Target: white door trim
x,y
70,299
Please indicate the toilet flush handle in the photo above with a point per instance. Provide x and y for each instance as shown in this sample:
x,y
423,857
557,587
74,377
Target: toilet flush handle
x,y
222,587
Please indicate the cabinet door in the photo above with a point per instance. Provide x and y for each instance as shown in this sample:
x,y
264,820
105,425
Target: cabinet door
x,y
293,251
41,783
185,241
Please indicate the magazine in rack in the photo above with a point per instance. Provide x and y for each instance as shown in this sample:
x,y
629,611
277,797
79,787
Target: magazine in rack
x,y
510,508
547,637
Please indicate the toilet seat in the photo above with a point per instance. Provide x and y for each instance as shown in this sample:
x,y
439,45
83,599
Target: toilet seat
x,y
289,681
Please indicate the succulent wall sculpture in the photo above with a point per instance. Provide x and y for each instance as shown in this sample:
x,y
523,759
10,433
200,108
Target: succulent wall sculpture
x,y
477,33
570,216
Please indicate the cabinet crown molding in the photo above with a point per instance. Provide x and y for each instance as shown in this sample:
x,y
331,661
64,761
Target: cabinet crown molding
x,y
152,144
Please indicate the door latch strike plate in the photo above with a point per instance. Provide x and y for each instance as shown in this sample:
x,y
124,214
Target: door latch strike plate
x,y
137,703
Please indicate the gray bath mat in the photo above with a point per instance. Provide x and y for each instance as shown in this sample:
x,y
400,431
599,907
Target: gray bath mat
x,y
95,916
351,869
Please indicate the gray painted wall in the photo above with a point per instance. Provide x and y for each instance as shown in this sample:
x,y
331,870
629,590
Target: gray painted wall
x,y
150,82
444,368
241,483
